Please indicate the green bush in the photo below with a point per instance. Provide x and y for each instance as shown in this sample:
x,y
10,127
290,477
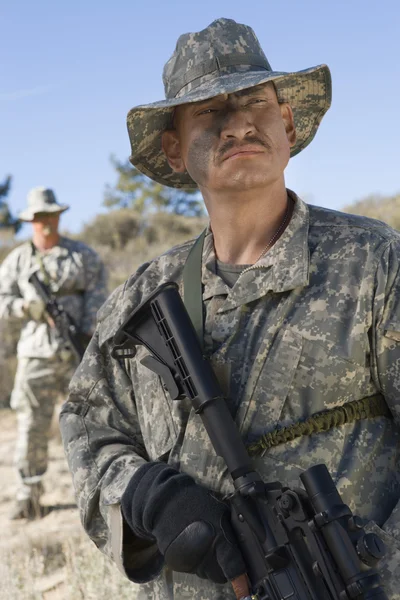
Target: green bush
x,y
112,230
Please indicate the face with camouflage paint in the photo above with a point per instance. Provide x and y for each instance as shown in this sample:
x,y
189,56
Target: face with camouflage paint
x,y
232,142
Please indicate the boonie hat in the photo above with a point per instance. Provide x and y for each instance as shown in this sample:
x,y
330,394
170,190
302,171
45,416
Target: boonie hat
x,y
223,58
41,200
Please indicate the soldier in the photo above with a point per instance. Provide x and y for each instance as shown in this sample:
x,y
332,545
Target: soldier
x,y
301,314
75,274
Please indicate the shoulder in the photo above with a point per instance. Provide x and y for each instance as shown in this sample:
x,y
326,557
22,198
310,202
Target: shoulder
x,y
167,266
128,296
18,254
345,227
80,248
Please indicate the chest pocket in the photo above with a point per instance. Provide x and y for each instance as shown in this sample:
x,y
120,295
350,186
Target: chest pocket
x,y
324,378
268,384
296,379
66,271
154,408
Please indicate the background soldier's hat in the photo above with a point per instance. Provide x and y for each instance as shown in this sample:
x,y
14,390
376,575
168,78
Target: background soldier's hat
x,y
41,200
223,58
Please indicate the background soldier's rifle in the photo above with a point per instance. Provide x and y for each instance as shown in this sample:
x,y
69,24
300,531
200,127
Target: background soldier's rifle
x,y
63,322
297,544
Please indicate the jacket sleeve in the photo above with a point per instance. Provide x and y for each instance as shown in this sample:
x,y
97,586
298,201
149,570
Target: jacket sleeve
x,y
385,363
95,292
104,448
386,328
11,301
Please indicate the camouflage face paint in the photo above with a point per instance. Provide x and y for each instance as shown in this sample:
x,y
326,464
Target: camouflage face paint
x,y
200,155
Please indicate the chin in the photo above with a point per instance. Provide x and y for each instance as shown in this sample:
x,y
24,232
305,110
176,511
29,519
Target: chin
x,y
247,181
247,176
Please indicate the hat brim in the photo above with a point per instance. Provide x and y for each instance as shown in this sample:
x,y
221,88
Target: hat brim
x,y
28,214
309,92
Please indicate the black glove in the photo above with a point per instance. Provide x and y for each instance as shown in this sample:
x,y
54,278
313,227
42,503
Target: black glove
x,y
191,527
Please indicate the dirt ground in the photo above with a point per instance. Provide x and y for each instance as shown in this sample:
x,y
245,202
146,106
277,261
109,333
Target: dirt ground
x,y
49,533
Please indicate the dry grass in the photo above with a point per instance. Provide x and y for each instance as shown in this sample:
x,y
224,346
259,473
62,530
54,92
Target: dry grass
x,y
49,570
50,558
92,576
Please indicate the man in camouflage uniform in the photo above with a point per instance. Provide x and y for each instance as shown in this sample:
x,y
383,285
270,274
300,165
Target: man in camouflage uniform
x,y
301,314
75,274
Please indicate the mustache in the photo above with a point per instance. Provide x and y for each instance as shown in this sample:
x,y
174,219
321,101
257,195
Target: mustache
x,y
253,140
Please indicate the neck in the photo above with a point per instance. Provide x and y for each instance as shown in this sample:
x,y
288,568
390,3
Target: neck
x,y
45,242
243,223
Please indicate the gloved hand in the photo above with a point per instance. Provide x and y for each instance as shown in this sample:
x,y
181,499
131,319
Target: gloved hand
x,y
34,309
191,527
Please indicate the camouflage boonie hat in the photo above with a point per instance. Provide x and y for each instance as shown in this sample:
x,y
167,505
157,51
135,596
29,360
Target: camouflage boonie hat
x,y
41,200
223,58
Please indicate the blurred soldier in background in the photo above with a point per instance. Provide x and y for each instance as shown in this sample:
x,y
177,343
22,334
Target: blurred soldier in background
x,y
75,274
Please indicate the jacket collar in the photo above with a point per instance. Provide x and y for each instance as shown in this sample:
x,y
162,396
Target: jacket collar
x,y
284,267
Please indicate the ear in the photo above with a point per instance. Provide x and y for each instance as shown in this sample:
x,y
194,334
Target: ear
x,y
288,120
172,150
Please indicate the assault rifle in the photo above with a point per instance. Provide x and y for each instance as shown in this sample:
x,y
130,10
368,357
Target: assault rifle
x,y
63,323
298,544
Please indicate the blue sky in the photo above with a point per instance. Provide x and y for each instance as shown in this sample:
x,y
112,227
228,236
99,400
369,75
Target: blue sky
x,y
70,71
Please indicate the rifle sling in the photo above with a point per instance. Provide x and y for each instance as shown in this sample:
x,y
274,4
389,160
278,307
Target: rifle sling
x,y
356,410
39,260
193,288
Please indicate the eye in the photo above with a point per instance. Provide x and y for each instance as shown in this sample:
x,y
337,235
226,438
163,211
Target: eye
x,y
206,111
256,101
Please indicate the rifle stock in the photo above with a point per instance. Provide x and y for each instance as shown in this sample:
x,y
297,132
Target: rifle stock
x,y
297,544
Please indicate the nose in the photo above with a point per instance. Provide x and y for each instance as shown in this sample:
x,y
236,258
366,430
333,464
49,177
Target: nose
x,y
236,124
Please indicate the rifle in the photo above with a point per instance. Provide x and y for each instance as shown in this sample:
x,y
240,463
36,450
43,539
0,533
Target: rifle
x,y
297,544
64,324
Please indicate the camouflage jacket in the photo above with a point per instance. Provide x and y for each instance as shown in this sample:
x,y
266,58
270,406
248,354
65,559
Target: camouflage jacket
x,y
77,278
313,325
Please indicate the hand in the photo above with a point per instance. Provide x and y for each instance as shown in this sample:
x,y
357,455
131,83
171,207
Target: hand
x,y
191,527
34,309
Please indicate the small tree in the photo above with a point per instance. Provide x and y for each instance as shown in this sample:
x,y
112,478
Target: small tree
x,y
8,224
135,190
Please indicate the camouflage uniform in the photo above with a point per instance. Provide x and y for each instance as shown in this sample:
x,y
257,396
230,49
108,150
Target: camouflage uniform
x,y
77,277
314,324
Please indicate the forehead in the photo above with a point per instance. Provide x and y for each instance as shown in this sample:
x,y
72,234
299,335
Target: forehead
x,y
266,89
